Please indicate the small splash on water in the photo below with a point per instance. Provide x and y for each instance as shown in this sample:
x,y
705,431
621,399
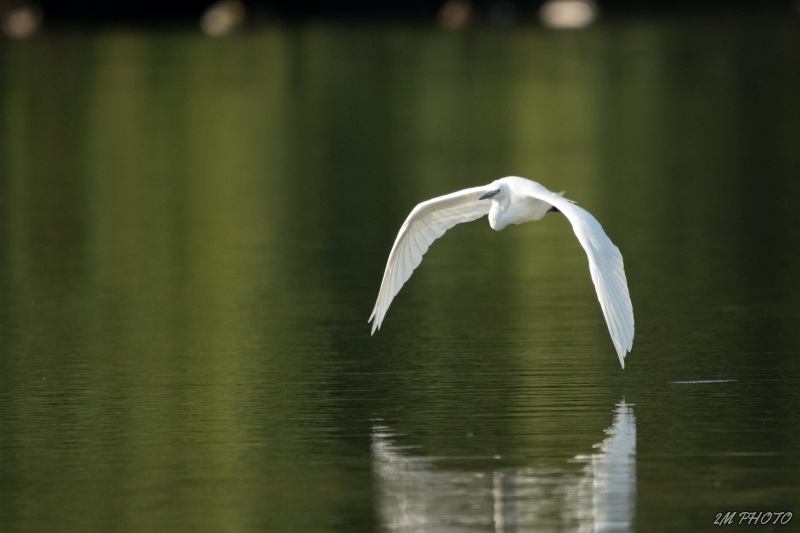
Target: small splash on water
x,y
701,381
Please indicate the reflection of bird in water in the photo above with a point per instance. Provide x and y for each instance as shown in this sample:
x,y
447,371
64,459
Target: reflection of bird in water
x,y
611,474
420,494
511,200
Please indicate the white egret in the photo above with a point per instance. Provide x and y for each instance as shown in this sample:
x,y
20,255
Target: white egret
x,y
511,200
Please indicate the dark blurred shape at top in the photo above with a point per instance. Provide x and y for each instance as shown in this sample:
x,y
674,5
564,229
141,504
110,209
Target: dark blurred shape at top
x,y
20,20
223,18
189,11
455,14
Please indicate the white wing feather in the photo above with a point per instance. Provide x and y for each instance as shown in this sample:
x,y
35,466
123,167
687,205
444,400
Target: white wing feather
x,y
605,266
426,223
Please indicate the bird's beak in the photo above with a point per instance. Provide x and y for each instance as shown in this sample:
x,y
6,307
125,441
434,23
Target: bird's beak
x,y
489,194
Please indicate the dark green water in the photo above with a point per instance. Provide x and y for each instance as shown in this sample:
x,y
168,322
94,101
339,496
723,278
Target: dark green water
x,y
193,232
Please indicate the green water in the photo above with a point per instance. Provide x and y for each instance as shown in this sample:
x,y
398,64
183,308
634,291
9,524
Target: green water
x,y
193,233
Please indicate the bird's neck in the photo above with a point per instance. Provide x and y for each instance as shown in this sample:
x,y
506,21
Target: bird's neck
x,y
497,219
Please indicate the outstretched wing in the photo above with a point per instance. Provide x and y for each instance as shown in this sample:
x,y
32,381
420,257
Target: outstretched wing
x,y
426,223
605,265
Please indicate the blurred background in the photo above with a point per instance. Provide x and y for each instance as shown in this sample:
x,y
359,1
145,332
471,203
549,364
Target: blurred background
x,y
24,17
197,201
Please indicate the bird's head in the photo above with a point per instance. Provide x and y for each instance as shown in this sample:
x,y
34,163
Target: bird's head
x,y
495,189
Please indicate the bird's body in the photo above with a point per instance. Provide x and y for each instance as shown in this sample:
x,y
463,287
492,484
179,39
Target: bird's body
x,y
512,200
515,206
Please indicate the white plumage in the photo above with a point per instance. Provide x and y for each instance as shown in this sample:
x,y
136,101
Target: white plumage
x,y
511,200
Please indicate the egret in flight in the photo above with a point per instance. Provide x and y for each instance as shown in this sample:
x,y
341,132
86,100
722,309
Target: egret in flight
x,y
511,200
